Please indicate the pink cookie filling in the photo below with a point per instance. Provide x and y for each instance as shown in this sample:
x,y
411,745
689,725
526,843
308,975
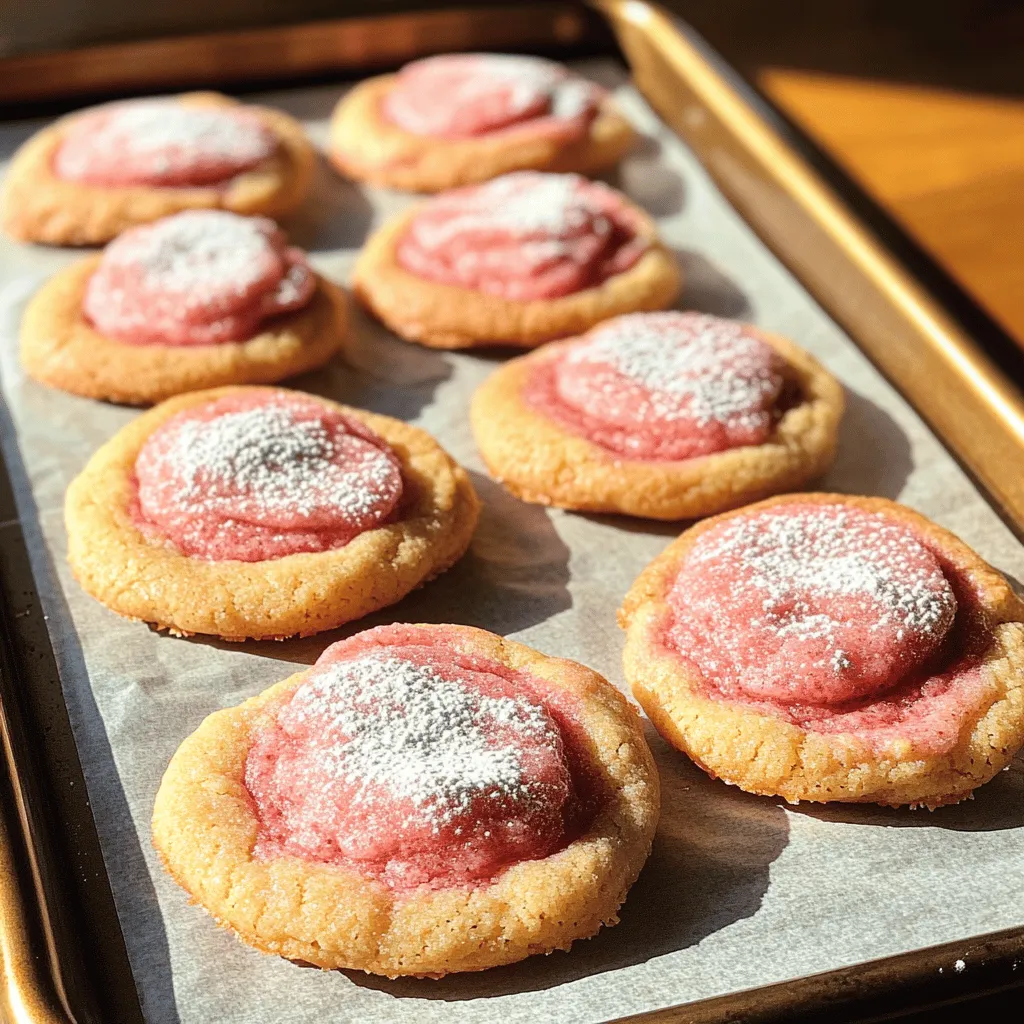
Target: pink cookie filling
x,y
833,618
410,763
162,143
465,96
662,386
250,477
523,236
202,277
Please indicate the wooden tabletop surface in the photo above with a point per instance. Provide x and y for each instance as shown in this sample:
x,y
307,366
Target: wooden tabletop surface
x,y
922,103
949,165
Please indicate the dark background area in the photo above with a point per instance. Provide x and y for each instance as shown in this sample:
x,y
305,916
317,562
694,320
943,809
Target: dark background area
x,y
972,44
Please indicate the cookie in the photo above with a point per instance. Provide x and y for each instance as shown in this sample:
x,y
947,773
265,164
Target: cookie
x,y
520,260
98,172
660,415
264,513
824,647
423,800
461,119
196,300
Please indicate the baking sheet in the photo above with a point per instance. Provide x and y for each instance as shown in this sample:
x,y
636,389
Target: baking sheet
x,y
740,891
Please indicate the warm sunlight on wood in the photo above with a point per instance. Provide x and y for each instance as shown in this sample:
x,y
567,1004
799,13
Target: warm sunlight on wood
x,y
949,165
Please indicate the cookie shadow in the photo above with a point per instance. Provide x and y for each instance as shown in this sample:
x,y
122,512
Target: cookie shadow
x,y
707,289
995,807
514,576
636,525
709,868
874,453
649,180
1018,587
336,215
313,103
608,73
380,372
15,134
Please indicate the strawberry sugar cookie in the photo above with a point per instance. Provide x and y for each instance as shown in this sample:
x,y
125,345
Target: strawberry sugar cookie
x,y
823,647
195,300
95,173
520,260
423,800
661,415
460,119
264,513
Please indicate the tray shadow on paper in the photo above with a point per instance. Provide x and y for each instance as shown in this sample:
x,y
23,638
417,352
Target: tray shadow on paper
x,y
709,869
515,575
134,894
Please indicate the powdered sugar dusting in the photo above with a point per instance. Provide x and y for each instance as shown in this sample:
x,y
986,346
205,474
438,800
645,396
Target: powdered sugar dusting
x,y
197,255
162,142
410,760
197,277
524,204
466,95
264,479
282,464
424,738
666,386
693,366
812,603
524,235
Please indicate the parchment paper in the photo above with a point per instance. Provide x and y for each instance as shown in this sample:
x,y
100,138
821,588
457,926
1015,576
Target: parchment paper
x,y
740,891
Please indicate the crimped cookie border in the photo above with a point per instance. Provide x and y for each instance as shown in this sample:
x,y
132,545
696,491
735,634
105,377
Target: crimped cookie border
x,y
37,206
60,348
364,146
449,317
770,757
540,461
205,829
298,594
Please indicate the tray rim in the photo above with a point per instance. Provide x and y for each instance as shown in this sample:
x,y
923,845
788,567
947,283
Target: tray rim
x,y
920,347
33,991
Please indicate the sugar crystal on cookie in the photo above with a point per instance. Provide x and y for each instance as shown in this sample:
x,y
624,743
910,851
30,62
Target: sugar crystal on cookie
x,y
810,604
200,277
422,737
254,477
413,765
161,143
663,386
523,236
469,95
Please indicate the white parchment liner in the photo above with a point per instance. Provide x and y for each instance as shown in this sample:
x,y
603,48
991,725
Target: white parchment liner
x,y
740,891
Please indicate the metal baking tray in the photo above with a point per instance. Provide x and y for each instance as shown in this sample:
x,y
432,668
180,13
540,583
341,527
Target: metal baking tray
x,y
62,949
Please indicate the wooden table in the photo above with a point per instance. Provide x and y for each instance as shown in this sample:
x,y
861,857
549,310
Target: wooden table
x,y
922,103
948,165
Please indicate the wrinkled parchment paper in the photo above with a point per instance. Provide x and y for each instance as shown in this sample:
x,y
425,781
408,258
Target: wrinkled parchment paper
x,y
740,891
